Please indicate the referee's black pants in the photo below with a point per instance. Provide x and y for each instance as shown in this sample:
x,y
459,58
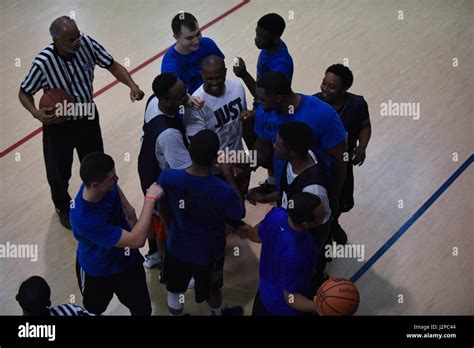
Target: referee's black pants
x,y
59,142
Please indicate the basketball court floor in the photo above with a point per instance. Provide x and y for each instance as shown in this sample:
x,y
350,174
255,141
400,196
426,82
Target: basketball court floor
x,y
413,218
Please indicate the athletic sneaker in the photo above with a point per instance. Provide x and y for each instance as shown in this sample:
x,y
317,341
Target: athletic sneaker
x,y
64,218
152,260
236,311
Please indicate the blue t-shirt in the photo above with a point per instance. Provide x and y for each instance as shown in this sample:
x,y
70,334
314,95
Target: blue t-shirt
x,y
200,205
328,130
98,227
188,67
280,61
287,262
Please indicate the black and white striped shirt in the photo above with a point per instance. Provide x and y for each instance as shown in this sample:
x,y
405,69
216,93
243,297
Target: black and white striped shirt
x,y
68,310
75,75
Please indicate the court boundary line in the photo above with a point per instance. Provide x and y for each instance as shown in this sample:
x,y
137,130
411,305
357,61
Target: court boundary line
x,y
396,236
131,72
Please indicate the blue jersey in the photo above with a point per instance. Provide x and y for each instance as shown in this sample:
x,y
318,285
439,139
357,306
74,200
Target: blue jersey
x,y
200,205
287,262
280,61
98,227
328,130
188,67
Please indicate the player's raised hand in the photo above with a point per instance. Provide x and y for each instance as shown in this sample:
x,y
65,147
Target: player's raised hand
x,y
155,191
239,67
195,102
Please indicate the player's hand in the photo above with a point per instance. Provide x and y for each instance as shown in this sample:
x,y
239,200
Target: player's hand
x,y
359,156
243,231
136,93
45,116
155,191
247,114
239,67
254,197
195,102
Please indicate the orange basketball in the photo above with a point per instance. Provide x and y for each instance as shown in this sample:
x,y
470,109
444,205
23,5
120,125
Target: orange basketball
x,y
337,297
54,96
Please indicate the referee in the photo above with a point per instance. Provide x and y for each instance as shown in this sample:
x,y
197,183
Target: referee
x,y
68,63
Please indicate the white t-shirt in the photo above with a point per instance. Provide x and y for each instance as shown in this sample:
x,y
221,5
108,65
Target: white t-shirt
x,y
220,114
315,189
170,151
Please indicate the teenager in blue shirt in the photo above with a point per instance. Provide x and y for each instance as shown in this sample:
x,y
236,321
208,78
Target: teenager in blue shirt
x,y
185,56
274,56
288,256
198,205
109,236
354,113
280,105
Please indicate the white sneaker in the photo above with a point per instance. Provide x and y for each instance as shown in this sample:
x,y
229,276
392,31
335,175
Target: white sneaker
x,y
191,284
152,260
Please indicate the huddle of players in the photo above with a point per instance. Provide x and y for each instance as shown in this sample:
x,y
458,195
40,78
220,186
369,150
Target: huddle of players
x,y
194,112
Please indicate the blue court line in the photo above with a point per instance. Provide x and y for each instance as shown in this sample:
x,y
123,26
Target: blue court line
x,y
365,267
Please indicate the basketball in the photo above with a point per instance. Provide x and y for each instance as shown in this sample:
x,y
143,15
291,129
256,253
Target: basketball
x,y
54,96
337,297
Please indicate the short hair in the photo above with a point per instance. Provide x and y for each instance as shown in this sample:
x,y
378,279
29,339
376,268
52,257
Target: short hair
x,y
34,296
204,147
302,209
297,136
273,23
163,83
275,82
183,18
212,61
344,73
95,166
56,27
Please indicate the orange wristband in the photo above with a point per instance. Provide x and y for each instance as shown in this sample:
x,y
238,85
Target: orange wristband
x,y
151,198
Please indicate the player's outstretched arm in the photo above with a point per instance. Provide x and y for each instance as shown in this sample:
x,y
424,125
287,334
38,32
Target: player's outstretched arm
x,y
136,238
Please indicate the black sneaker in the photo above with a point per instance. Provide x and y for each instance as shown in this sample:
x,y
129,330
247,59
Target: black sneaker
x,y
339,235
64,218
236,311
264,188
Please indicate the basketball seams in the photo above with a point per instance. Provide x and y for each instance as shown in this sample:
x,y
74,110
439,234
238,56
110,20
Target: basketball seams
x,y
327,304
342,298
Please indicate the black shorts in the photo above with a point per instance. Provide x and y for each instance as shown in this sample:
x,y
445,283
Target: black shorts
x,y
130,287
207,279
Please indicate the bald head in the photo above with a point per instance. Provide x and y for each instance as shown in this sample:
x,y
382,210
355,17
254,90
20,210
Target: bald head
x,y
212,62
66,36
61,25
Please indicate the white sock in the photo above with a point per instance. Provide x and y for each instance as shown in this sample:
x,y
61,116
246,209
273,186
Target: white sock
x,y
216,311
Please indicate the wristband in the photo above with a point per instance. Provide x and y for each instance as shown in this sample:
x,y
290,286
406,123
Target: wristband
x,y
151,198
